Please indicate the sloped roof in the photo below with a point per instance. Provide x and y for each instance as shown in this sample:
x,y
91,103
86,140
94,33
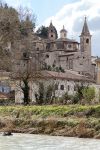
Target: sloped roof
x,y
66,40
97,60
68,75
85,30
3,96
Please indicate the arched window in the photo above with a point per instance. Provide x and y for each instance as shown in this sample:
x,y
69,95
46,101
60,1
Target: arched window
x,y
87,40
3,89
62,87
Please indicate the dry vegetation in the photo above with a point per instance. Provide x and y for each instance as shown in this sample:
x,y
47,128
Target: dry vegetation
x,y
74,120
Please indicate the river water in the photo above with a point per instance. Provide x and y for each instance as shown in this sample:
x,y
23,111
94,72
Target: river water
x,y
41,142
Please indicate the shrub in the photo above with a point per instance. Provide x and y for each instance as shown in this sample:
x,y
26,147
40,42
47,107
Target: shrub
x,y
88,94
40,95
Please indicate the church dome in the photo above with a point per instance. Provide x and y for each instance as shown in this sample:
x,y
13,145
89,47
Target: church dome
x,y
63,30
63,33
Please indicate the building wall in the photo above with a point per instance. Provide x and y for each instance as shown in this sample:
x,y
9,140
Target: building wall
x,y
98,72
64,86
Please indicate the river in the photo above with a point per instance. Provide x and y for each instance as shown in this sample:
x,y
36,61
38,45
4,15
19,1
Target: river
x,y
42,142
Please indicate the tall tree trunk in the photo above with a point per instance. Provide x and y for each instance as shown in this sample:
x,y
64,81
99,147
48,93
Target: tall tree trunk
x,y
26,90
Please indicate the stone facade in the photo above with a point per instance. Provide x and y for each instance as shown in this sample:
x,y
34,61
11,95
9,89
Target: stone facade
x,y
61,83
59,55
66,53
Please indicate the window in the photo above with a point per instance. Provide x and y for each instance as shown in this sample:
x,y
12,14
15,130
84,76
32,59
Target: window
x,y
60,45
69,46
47,56
25,55
75,88
2,89
70,64
37,48
62,87
87,40
51,30
51,35
48,46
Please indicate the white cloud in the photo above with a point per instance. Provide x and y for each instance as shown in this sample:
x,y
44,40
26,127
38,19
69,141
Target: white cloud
x,y
72,17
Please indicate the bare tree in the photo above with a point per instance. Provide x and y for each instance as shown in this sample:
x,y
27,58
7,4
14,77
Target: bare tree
x,y
16,46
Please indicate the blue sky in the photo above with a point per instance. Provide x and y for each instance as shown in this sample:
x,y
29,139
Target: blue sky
x,y
69,13
41,8
47,8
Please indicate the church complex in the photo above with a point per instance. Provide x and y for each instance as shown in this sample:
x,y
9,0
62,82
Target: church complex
x,y
64,62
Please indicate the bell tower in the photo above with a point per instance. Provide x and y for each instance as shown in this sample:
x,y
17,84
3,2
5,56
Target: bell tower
x,y
85,40
52,32
85,50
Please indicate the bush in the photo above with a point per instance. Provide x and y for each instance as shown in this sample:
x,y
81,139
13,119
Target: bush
x,y
6,102
45,95
88,94
65,99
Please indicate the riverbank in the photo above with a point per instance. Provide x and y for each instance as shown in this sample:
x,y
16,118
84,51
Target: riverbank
x,y
73,121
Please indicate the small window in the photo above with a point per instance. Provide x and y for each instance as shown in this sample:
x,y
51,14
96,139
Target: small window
x,y
64,34
51,30
37,48
69,46
87,40
62,87
51,35
2,89
25,55
47,56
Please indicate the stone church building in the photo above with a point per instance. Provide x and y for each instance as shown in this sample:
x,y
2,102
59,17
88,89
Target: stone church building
x,y
64,62
69,54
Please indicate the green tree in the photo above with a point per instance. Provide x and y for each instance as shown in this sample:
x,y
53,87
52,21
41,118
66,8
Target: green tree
x,y
88,94
42,32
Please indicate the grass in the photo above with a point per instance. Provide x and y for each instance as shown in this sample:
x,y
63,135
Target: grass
x,y
48,110
52,119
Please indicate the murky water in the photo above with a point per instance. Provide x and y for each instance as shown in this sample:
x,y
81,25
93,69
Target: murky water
x,y
41,142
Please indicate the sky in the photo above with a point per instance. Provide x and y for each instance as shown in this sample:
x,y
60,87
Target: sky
x,y
69,13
